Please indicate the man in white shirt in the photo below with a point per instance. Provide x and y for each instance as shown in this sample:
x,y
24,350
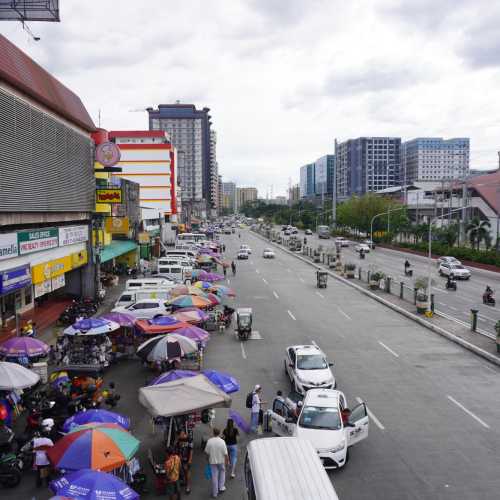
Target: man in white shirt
x,y
216,450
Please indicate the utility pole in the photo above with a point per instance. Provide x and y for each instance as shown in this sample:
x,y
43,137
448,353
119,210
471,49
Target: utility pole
x,y
334,189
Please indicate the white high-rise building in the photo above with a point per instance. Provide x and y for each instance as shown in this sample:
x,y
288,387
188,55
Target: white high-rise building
x,y
434,159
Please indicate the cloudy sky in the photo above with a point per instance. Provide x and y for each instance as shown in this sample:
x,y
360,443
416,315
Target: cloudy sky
x,y
284,78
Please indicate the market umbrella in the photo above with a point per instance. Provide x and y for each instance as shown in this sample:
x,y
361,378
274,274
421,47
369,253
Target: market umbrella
x,y
193,315
99,448
92,485
213,299
204,259
213,276
92,326
14,376
105,416
204,285
223,291
57,379
165,348
190,301
173,375
179,290
24,346
222,380
123,319
170,349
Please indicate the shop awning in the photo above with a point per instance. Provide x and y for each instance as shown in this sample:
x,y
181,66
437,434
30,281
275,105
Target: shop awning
x,y
117,248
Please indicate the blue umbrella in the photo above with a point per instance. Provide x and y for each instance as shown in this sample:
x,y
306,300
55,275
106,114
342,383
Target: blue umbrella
x,y
172,375
166,321
91,326
105,416
92,485
223,381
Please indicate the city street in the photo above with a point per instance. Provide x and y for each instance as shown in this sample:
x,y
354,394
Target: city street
x,y
455,304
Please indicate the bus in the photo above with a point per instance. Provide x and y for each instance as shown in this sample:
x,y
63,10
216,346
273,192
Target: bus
x,y
191,237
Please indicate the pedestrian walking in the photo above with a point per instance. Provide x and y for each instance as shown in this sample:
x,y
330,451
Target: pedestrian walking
x,y
230,435
216,451
233,267
172,472
257,412
42,464
184,448
224,270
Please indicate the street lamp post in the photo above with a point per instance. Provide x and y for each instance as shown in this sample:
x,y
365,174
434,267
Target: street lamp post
x,y
383,213
429,253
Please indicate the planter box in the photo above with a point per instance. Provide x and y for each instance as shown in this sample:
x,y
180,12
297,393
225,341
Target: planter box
x,y
349,274
421,306
374,285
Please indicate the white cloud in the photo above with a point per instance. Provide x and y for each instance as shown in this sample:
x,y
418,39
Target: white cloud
x,y
283,78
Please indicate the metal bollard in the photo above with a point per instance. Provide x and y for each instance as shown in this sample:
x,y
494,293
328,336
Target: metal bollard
x,y
401,290
359,273
473,317
388,284
415,290
432,303
368,276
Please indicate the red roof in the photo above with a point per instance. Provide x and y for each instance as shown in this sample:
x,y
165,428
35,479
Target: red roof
x,y
487,185
136,133
24,74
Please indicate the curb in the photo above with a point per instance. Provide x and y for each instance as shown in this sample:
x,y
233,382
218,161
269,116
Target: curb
x,y
436,329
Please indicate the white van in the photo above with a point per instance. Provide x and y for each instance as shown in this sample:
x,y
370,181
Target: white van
x,y
131,296
148,283
175,272
285,468
188,254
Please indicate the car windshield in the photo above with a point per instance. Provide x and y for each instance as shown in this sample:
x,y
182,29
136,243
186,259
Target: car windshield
x,y
457,266
311,362
318,417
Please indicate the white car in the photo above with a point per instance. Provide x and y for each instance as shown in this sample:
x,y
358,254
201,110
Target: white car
x,y
287,232
320,422
268,253
308,368
308,232
342,241
247,248
242,255
145,309
447,260
362,246
456,271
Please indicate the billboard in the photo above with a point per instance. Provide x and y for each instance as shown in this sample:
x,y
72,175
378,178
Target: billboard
x,y
29,10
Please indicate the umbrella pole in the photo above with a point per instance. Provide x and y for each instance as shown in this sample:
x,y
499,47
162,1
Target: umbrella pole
x,y
169,431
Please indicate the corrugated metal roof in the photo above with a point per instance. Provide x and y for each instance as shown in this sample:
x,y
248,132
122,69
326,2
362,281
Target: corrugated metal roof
x,y
487,185
20,71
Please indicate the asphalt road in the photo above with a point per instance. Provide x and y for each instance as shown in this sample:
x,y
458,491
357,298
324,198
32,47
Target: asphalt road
x,y
456,304
433,404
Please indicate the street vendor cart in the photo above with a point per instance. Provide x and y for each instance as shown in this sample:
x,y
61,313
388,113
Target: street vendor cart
x,y
321,278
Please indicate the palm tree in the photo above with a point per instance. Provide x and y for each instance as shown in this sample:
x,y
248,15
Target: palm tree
x,y
478,231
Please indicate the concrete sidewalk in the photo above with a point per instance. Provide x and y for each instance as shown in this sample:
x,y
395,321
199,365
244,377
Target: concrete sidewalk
x,y
453,330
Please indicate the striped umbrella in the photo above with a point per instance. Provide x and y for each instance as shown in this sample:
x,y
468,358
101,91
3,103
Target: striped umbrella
x,y
223,291
190,301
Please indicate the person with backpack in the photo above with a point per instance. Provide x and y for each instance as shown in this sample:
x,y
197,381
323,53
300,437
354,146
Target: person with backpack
x,y
172,472
254,403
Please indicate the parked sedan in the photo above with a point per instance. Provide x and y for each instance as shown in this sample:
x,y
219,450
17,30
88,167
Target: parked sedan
x,y
362,246
268,253
456,271
145,309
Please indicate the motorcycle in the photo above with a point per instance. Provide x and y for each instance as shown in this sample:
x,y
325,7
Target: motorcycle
x,y
408,272
488,299
451,284
10,470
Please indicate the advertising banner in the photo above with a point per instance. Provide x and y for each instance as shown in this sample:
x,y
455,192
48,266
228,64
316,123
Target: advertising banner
x,y
58,282
116,225
51,269
37,240
14,279
108,196
79,258
73,234
8,246
42,288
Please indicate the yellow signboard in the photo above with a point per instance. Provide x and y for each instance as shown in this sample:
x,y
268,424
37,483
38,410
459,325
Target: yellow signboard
x,y
79,259
51,269
144,238
116,225
108,196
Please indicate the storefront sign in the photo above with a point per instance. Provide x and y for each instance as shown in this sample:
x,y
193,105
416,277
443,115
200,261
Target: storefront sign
x,y
8,246
116,225
107,154
108,196
35,241
73,234
43,288
79,258
51,269
58,282
14,279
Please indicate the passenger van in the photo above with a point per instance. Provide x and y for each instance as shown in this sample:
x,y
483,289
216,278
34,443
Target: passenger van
x,y
131,296
191,237
148,283
175,272
188,254
285,468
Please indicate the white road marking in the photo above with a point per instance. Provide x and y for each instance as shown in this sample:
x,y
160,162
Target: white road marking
x,y
480,314
442,304
389,349
291,315
454,308
228,281
243,353
257,271
344,313
265,281
255,335
276,295
376,421
320,294
462,407
301,279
